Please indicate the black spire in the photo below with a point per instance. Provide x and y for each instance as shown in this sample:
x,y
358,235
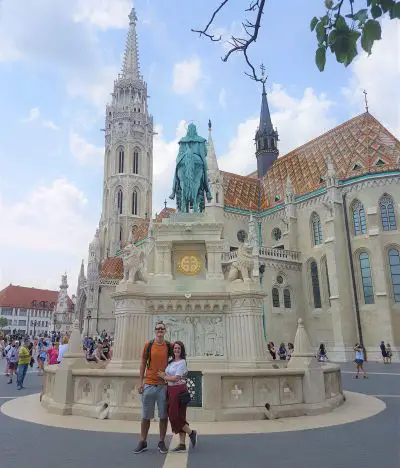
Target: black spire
x,y
266,136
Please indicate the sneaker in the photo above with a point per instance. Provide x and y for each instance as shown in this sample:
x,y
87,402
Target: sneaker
x,y
142,446
193,438
10,381
162,447
19,388
180,448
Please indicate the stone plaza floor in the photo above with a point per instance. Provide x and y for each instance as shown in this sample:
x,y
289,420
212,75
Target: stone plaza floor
x,y
366,443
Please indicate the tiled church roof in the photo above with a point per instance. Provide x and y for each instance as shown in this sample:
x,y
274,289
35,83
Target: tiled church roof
x,y
112,268
28,298
357,147
164,213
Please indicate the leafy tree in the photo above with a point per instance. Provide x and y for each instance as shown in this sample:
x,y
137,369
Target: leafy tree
x,y
339,31
3,322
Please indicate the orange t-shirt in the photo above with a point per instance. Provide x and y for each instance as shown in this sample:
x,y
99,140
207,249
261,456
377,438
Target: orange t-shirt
x,y
158,362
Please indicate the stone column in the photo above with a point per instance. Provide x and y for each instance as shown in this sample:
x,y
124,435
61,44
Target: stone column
x,y
244,327
163,259
214,264
133,327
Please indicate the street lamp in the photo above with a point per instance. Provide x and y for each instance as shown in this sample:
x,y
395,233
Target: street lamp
x,y
88,318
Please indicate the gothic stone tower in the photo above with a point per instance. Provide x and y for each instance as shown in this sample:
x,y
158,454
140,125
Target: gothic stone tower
x,y
128,161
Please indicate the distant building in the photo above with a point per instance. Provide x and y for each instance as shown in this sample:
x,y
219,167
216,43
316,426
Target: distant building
x,y
29,310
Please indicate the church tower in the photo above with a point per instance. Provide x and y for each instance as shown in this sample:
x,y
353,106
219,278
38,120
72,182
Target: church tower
x,y
128,160
266,139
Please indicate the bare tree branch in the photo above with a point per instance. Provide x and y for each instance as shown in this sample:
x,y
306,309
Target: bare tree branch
x,y
240,44
204,32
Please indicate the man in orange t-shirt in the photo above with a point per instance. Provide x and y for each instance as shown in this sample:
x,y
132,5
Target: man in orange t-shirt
x,y
153,388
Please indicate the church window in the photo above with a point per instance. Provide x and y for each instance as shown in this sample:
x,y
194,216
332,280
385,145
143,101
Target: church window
x,y
316,229
119,201
356,167
287,301
359,219
121,157
325,276
217,197
120,234
135,165
134,202
388,217
276,234
394,264
315,284
366,278
275,297
380,162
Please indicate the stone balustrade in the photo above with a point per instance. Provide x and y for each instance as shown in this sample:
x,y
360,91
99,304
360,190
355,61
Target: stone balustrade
x,y
267,252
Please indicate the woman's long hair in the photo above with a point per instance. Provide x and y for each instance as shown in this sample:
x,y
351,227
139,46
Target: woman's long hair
x,y
183,350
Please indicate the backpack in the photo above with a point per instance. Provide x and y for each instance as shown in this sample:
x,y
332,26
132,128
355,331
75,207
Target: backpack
x,y
148,351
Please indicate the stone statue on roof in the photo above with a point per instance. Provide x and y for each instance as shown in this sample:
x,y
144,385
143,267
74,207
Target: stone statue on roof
x,y
190,186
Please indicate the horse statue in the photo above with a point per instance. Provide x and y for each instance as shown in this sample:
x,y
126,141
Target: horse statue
x,y
190,185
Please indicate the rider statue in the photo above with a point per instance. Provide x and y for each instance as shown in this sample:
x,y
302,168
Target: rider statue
x,y
190,185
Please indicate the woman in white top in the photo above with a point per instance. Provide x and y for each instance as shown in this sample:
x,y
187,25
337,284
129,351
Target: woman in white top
x,y
359,360
173,376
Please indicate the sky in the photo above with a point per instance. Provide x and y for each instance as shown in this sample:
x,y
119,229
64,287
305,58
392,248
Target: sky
x,y
58,61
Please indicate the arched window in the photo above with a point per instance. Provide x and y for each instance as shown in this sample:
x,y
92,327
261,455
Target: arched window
x,y
366,278
359,220
287,301
217,197
121,157
134,202
316,229
120,234
135,165
275,298
315,284
119,201
394,265
388,217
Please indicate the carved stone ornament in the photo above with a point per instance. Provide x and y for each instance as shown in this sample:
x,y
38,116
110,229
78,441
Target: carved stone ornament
x,y
134,260
242,268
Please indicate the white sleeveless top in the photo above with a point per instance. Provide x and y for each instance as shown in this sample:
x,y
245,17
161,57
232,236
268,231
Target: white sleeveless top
x,y
176,368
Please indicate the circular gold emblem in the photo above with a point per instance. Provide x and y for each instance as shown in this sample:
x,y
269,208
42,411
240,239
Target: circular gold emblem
x,y
190,265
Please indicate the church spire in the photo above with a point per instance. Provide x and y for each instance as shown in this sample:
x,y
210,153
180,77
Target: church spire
x,y
130,66
211,156
266,136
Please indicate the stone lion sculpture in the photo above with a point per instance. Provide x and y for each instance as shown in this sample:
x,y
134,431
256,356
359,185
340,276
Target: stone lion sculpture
x,y
242,268
134,260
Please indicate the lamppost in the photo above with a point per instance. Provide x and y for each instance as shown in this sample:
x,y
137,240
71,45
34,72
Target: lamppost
x,y
88,318
34,328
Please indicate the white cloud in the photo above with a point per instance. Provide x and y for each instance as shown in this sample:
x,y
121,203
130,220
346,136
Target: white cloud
x,y
297,120
47,231
104,14
379,75
222,97
50,124
186,75
34,114
86,153
164,158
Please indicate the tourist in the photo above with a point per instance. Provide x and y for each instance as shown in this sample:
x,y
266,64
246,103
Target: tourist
x,y
152,387
24,359
271,349
383,352
389,353
41,359
53,354
178,396
322,357
62,349
290,347
6,350
98,353
106,349
282,353
12,357
359,360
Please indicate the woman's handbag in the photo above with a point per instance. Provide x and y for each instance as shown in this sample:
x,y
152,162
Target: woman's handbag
x,y
184,398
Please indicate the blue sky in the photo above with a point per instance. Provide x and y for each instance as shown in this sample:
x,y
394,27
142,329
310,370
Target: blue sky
x,y
58,60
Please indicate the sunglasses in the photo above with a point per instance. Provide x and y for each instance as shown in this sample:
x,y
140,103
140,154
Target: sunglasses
x,y
160,329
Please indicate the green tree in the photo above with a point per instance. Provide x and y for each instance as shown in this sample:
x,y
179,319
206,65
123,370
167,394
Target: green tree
x,y
3,322
338,32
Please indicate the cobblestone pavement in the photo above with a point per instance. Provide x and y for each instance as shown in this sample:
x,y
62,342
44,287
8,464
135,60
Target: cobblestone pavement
x,y
365,443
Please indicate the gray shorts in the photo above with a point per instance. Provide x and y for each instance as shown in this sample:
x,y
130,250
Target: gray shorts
x,y
152,394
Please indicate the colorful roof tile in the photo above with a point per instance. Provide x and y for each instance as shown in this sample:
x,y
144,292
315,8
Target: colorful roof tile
x,y
112,268
164,213
359,146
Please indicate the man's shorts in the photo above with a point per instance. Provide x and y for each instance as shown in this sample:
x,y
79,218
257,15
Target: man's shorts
x,y
152,394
